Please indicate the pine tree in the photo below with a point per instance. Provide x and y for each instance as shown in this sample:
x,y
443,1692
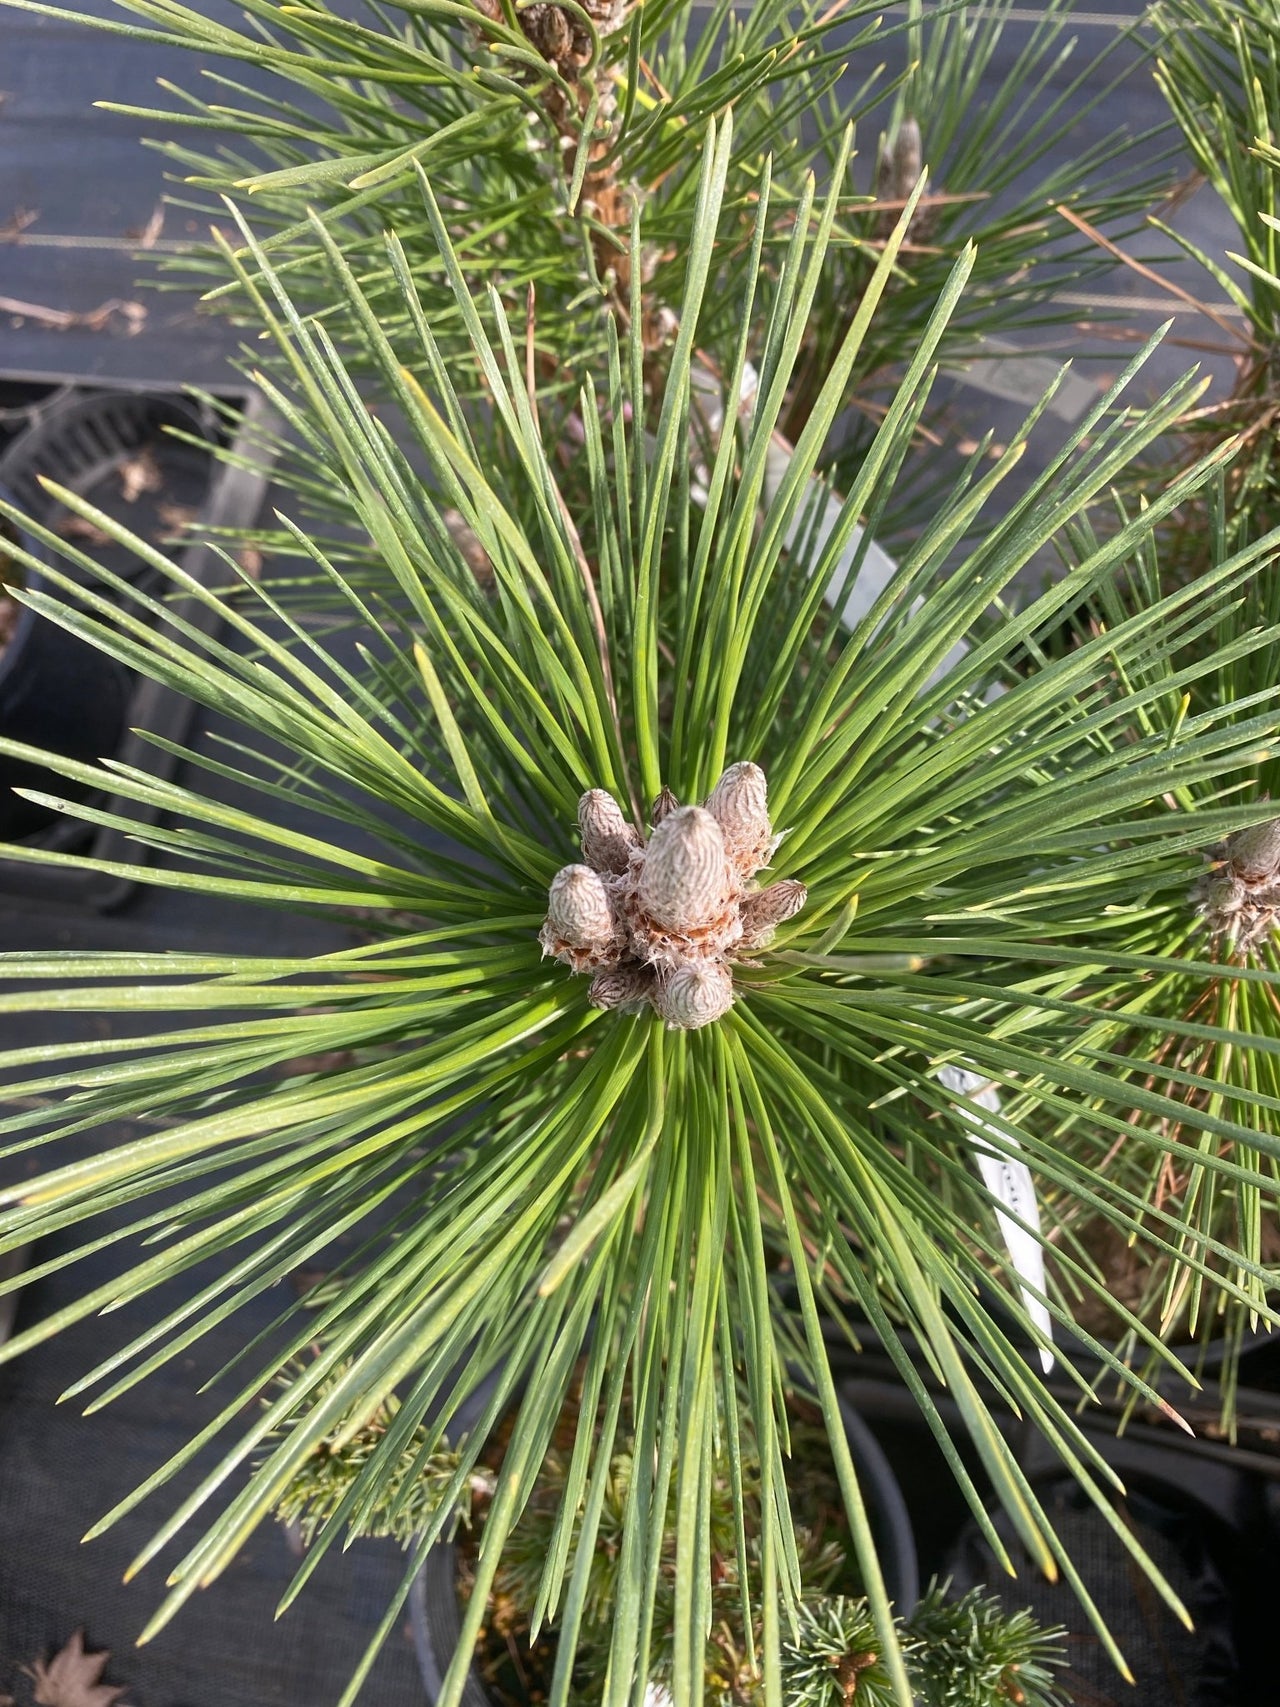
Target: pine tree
x,y
578,577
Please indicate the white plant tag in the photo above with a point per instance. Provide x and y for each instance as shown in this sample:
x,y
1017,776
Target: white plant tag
x,y
852,595
1009,1181
849,594
878,568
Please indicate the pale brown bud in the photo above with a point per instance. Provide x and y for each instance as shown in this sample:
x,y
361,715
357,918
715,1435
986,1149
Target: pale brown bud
x,y
765,909
739,804
578,912
659,326
695,994
468,543
898,169
663,807
1255,853
548,28
607,838
884,171
1220,893
622,986
686,877
908,159
899,162
607,14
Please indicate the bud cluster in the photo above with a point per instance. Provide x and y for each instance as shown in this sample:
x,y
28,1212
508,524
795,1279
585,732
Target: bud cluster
x,y
661,921
1239,898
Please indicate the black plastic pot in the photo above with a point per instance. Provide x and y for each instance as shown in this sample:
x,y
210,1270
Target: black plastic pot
x,y
83,438
57,693
437,1617
1196,1552
12,1265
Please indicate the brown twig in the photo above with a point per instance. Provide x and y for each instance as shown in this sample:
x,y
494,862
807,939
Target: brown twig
x,y
65,319
1091,231
649,72
148,234
13,227
1100,329
831,14
936,198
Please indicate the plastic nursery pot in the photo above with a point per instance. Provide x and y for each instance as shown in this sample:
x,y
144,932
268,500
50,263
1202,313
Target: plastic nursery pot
x,y
1197,1554
58,693
437,1616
